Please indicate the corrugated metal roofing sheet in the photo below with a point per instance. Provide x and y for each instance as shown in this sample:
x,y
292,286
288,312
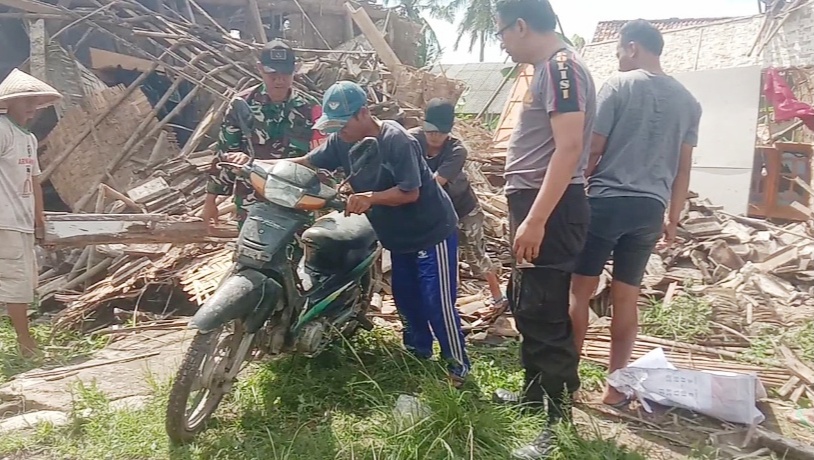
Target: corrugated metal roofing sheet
x,y
482,79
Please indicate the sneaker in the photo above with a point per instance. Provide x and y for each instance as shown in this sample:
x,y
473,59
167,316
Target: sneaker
x,y
540,449
506,397
456,381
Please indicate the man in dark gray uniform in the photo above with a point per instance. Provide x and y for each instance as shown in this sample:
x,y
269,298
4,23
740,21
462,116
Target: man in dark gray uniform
x,y
646,128
548,209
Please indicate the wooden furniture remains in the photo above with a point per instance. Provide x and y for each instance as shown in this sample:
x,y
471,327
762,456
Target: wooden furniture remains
x,y
776,176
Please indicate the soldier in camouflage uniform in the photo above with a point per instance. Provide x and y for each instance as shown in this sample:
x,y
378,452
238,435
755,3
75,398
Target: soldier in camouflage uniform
x,y
284,129
446,156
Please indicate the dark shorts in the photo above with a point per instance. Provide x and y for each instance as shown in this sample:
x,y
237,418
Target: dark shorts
x,y
628,228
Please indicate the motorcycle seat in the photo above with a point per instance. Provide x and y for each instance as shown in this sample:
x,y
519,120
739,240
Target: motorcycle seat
x,y
336,243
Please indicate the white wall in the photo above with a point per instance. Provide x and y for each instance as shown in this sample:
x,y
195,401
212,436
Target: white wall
x,y
722,162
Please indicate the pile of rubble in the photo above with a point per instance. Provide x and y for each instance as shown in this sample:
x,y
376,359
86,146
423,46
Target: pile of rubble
x,y
195,262
138,243
136,211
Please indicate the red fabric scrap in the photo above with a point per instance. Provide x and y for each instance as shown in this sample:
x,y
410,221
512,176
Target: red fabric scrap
x,y
786,105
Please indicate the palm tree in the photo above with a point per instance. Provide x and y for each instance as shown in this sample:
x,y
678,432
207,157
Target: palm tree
x,y
429,47
478,23
578,41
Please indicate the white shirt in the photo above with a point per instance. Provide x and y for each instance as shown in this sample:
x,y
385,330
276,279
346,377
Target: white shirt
x,y
18,168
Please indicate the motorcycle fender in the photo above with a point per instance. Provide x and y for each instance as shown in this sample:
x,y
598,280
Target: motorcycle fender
x,y
247,294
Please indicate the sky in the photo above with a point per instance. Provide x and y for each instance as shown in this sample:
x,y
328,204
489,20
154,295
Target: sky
x,y
580,17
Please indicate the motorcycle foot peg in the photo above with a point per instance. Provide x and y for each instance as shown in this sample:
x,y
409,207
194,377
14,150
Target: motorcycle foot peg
x,y
364,322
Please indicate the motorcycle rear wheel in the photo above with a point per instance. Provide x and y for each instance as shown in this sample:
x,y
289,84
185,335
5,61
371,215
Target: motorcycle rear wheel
x,y
206,365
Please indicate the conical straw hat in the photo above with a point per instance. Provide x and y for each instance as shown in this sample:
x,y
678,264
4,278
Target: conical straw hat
x,y
19,84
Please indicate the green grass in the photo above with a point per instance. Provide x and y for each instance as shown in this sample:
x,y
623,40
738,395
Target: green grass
x,y
60,349
686,318
799,337
336,406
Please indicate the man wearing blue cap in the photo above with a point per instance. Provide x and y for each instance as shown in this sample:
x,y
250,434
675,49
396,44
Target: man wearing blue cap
x,y
412,216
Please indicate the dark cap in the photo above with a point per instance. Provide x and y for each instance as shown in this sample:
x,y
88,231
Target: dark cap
x,y
277,57
439,116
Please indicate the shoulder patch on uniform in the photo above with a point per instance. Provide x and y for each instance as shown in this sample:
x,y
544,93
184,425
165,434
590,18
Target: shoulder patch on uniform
x,y
564,83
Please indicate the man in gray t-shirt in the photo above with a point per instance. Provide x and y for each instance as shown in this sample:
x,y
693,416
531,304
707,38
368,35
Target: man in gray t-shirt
x,y
641,155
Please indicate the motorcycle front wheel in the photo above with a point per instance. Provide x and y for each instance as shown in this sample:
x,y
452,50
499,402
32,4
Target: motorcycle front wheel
x,y
206,375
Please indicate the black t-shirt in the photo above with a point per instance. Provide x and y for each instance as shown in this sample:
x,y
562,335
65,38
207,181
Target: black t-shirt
x,y
449,164
411,227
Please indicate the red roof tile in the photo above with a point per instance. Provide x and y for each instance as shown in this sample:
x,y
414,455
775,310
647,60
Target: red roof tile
x,y
609,30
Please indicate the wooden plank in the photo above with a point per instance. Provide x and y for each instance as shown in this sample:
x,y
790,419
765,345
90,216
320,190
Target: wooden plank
x,y
513,108
149,190
104,217
802,209
796,366
779,258
93,232
103,59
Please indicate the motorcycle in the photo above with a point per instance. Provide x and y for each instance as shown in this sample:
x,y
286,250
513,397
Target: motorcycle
x,y
262,307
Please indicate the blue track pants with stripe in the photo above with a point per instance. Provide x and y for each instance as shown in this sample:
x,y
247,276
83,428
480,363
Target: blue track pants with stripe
x,y
425,288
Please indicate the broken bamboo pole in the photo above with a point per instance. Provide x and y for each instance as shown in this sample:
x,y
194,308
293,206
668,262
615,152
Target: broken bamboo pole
x,y
123,198
100,207
29,16
314,26
213,115
83,19
51,289
75,270
208,17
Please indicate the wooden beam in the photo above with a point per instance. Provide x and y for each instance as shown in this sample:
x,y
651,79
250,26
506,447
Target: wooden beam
x,y
376,39
259,30
39,43
32,6
103,59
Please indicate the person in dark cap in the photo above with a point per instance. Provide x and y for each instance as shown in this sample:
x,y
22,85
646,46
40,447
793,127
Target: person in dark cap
x,y
285,117
446,155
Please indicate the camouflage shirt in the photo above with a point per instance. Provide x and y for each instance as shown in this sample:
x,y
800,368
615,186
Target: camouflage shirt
x,y
284,130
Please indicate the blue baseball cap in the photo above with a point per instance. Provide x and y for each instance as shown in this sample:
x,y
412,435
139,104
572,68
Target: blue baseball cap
x,y
341,102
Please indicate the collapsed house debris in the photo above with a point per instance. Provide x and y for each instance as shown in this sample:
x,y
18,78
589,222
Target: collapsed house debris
x,y
129,160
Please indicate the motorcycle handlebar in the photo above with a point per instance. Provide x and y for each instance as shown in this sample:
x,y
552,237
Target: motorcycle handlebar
x,y
336,204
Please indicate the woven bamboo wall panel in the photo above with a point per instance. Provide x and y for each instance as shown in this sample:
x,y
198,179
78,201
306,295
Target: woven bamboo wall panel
x,y
88,163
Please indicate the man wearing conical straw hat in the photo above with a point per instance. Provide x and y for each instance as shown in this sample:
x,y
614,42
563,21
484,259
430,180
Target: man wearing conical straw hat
x,y
21,206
